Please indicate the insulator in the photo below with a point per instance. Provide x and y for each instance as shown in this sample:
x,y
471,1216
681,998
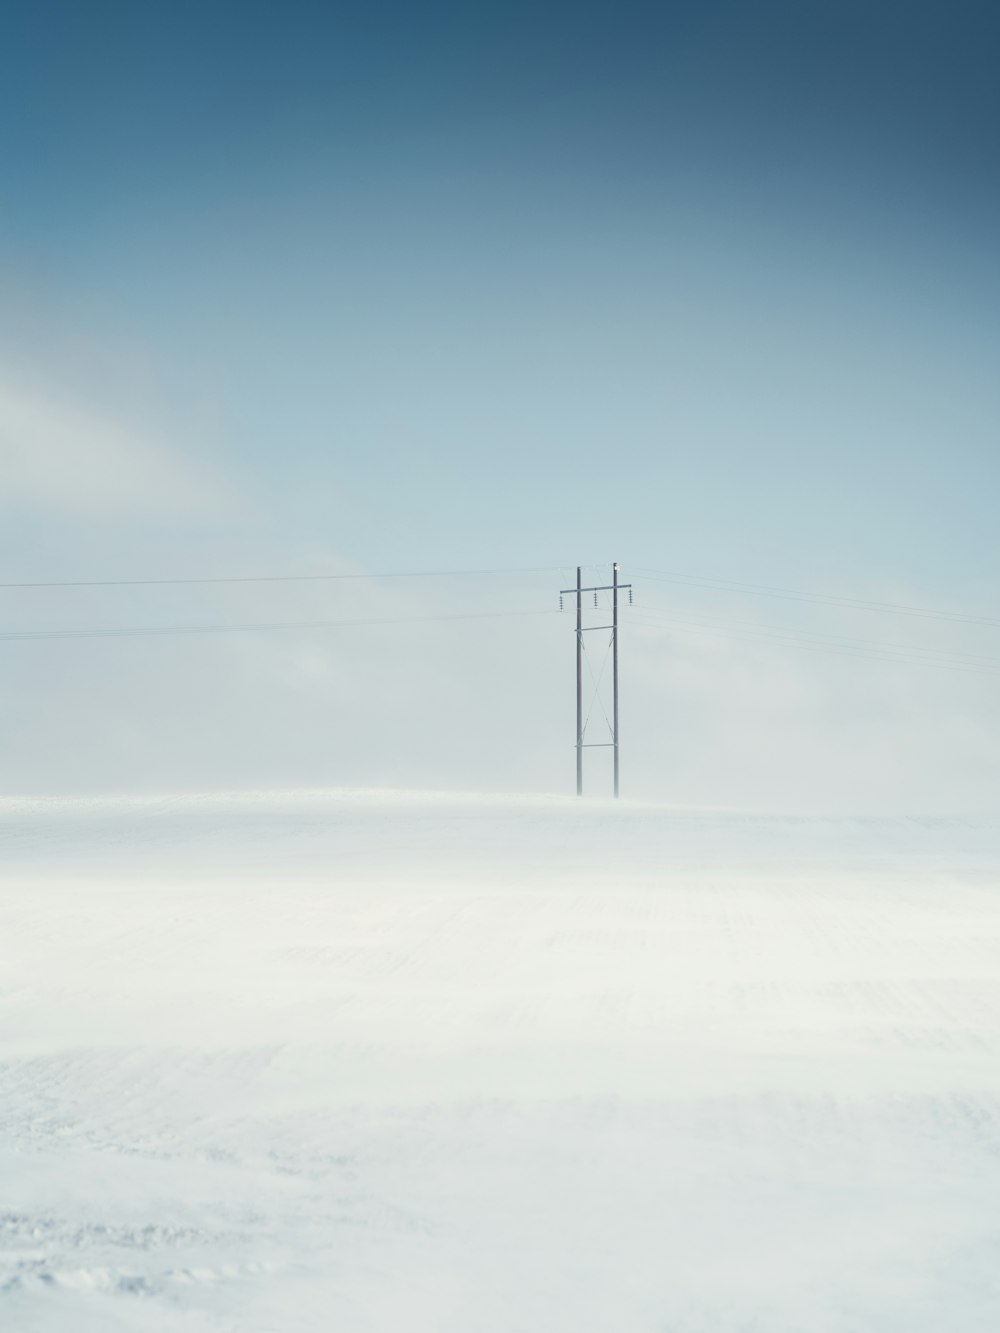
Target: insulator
x,y
630,596
595,598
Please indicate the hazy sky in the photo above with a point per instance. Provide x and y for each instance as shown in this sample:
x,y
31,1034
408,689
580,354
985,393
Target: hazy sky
x,y
709,288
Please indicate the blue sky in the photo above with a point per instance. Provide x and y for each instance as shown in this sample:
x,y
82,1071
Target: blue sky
x,y
703,287
462,256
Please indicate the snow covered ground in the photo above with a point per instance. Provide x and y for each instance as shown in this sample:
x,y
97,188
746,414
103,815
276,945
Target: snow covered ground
x,y
356,1061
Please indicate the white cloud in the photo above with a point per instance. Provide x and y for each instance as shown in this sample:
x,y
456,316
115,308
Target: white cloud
x,y
61,456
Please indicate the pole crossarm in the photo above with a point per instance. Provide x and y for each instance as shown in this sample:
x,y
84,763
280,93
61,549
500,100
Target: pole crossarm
x,y
601,587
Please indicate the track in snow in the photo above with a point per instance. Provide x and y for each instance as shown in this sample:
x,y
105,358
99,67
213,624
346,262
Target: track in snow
x,y
377,1062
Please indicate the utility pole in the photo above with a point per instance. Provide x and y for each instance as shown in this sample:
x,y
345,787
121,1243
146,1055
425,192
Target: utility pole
x,y
614,666
579,685
614,587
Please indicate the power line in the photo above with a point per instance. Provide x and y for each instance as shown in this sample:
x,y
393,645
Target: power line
x,y
131,631
835,639
856,647
658,576
279,578
876,653
824,599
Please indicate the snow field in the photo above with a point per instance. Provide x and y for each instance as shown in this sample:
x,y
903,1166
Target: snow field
x,y
358,1061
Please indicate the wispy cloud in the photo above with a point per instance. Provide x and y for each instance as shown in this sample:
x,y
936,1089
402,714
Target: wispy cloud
x,y
65,457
